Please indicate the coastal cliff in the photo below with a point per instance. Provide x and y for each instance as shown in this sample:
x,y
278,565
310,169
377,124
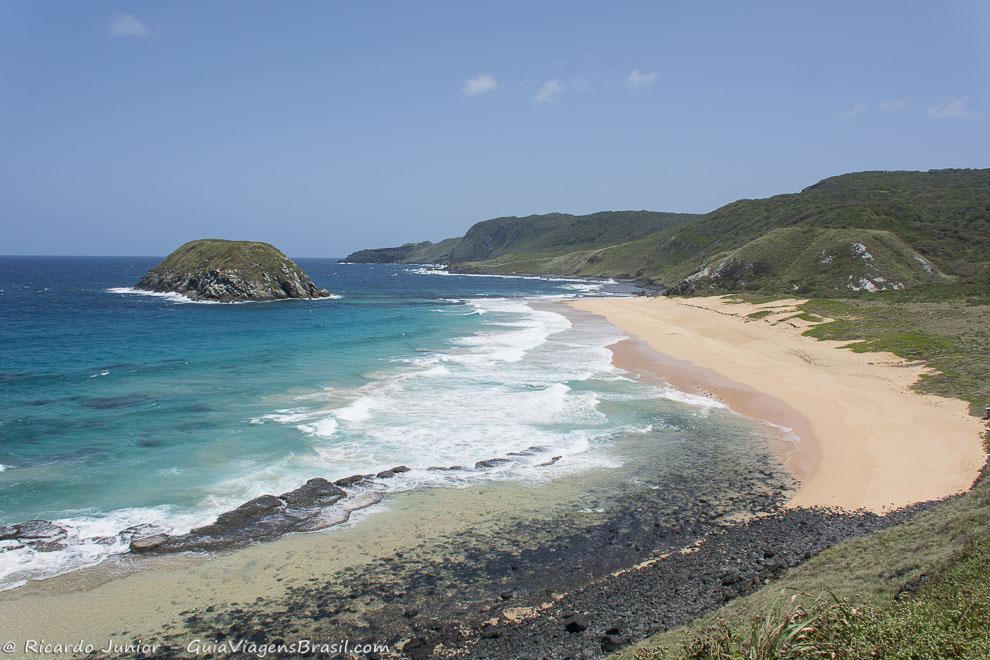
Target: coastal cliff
x,y
230,271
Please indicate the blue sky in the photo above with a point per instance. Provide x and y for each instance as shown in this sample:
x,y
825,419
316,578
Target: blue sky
x,y
323,127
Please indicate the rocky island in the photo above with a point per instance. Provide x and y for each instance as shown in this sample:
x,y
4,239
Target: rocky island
x,y
230,271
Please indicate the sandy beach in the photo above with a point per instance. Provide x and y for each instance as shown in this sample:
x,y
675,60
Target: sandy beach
x,y
505,563
867,441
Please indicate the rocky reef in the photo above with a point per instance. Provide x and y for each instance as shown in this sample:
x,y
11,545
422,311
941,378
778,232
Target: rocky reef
x,y
230,271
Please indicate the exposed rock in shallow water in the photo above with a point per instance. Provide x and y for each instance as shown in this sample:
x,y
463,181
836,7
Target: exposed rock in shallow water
x,y
148,543
388,474
40,535
263,518
491,462
352,480
230,271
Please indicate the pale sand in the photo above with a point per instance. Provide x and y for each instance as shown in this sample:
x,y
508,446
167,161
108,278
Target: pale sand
x,y
136,597
867,440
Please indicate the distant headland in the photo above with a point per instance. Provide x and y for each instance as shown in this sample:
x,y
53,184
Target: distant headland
x,y
854,234
230,271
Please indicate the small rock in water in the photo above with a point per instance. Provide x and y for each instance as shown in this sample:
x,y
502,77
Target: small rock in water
x,y
350,481
40,535
391,472
148,543
491,462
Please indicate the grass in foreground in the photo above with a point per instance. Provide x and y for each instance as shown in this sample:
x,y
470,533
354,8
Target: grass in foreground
x,y
946,618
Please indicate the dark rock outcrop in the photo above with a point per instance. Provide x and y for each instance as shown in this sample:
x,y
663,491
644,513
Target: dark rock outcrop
x,y
230,271
491,462
41,535
263,518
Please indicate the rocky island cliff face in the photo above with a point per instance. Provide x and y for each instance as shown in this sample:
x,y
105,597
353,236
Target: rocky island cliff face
x,y
230,271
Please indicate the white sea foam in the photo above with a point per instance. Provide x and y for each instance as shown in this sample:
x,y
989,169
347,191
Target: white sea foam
x,y
285,416
510,386
90,540
324,427
437,270
697,400
513,385
585,287
786,431
179,298
174,297
526,378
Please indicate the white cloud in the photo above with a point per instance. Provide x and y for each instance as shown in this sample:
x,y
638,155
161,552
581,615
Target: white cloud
x,y
954,109
549,91
637,80
480,84
889,105
127,25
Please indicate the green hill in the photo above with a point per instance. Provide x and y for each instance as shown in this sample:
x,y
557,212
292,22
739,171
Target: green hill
x,y
535,236
944,215
230,271
559,233
410,253
813,259
862,232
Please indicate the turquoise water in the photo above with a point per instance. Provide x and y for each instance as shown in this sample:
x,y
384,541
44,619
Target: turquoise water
x,y
120,408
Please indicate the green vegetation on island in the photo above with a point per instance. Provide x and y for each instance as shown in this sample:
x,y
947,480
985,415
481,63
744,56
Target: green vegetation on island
x,y
230,271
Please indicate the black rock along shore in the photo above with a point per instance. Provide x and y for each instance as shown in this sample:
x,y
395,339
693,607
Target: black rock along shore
x,y
514,606
556,587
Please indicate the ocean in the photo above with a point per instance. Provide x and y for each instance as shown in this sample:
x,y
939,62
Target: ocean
x,y
119,408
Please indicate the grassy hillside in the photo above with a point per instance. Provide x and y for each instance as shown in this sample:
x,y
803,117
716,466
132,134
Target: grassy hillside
x,y
813,260
943,214
921,228
558,233
845,235
213,254
410,253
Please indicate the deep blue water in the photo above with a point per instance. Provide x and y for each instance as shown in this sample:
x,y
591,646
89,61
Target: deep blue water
x,y
118,408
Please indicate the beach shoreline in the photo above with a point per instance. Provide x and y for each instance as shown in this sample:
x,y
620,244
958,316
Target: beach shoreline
x,y
639,547
867,440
